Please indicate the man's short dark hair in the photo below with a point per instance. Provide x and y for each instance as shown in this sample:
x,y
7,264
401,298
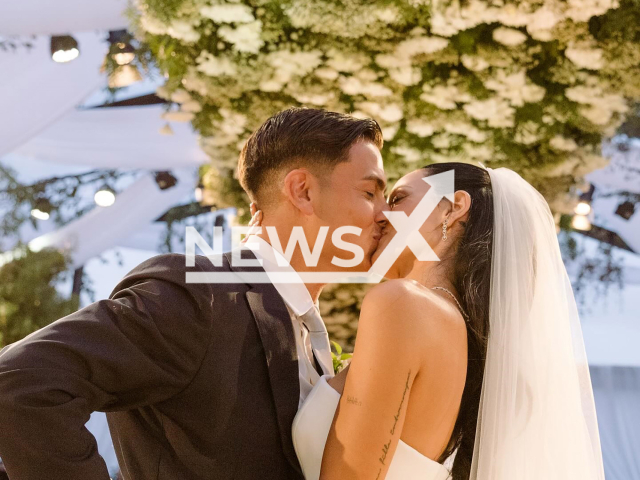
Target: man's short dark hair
x,y
300,137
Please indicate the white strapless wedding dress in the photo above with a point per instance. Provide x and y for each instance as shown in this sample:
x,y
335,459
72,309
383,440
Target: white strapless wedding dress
x,y
311,428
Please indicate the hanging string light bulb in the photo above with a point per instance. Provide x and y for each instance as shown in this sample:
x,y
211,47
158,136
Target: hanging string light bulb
x,y
64,48
105,197
41,209
581,222
121,49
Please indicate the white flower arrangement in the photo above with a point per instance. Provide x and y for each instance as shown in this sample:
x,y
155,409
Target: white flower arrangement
x,y
517,84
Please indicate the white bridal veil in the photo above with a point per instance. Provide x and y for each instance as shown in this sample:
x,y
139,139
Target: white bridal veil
x,y
537,418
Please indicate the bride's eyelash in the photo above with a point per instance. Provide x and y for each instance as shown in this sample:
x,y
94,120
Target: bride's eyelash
x,y
395,199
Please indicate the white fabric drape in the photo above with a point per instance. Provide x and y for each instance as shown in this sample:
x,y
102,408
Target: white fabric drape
x,y
617,394
537,417
116,137
47,17
35,91
102,228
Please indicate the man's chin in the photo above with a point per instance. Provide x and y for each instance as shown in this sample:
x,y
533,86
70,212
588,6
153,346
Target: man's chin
x,y
377,251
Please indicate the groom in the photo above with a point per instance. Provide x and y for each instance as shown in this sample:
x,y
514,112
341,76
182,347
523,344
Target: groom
x,y
201,380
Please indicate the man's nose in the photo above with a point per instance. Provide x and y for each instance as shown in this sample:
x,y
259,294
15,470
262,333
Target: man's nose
x,y
381,218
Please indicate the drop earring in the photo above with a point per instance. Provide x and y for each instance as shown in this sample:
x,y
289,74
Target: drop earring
x,y
444,230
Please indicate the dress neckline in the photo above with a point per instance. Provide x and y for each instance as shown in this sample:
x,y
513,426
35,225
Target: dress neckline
x,y
421,454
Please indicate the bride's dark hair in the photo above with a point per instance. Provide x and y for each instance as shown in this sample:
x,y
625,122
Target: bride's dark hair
x,y
471,278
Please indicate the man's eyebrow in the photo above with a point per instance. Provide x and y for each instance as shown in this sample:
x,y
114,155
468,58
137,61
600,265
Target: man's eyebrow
x,y
380,182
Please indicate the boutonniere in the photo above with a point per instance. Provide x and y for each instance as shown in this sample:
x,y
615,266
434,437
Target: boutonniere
x,y
340,360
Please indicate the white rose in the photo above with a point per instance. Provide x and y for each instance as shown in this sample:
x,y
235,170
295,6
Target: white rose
x,y
314,99
183,30
474,63
462,128
387,15
512,16
392,61
542,19
411,155
441,141
421,45
391,113
228,13
563,144
509,36
479,152
495,111
370,108
389,131
596,114
420,128
326,73
245,38
270,86
350,85
191,106
375,90
343,62
406,76
180,96
589,58
152,24
215,66
542,35
177,116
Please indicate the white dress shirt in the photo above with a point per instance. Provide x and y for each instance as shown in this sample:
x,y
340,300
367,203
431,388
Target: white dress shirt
x,y
298,301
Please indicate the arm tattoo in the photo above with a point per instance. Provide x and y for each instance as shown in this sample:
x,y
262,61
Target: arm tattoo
x,y
406,387
385,447
354,401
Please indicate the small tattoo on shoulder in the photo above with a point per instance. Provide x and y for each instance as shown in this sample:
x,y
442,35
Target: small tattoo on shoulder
x,y
353,400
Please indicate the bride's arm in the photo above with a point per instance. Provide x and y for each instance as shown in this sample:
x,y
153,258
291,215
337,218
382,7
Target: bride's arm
x,y
387,357
337,382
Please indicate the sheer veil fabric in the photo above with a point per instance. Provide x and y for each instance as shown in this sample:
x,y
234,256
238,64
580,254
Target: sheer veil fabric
x,y
537,417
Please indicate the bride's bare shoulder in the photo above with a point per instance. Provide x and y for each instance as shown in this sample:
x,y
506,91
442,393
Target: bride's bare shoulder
x,y
405,309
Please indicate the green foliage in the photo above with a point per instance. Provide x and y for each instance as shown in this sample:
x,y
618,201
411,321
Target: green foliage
x,y
339,359
28,297
474,82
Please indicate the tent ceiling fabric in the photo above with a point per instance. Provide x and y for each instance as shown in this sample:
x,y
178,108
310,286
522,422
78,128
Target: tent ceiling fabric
x,y
47,17
140,204
622,174
36,91
116,137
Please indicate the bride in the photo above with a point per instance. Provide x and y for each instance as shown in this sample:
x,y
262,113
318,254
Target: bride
x,y
477,359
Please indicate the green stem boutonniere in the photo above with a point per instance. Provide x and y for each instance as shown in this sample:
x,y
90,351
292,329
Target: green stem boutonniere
x,y
340,360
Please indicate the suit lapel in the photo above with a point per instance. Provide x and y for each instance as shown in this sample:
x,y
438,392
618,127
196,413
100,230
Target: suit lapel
x,y
276,333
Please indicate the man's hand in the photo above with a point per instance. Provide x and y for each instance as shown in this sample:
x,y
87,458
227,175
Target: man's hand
x,y
254,223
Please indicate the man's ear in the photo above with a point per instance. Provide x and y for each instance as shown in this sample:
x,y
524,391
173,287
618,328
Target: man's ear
x,y
297,186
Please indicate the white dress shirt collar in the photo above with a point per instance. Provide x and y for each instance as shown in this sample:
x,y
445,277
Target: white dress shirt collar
x,y
295,295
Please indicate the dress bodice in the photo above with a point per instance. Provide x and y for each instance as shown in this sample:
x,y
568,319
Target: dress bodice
x,y
311,428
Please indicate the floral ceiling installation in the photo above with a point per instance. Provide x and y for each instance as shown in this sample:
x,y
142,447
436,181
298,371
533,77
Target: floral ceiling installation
x,y
532,85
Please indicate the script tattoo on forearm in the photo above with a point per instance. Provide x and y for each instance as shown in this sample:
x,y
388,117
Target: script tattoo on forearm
x,y
354,401
385,447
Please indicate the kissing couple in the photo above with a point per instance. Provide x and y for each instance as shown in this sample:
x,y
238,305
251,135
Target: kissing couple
x,y
475,361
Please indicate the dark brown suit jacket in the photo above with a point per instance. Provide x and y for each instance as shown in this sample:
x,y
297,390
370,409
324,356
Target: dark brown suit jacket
x,y
199,381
